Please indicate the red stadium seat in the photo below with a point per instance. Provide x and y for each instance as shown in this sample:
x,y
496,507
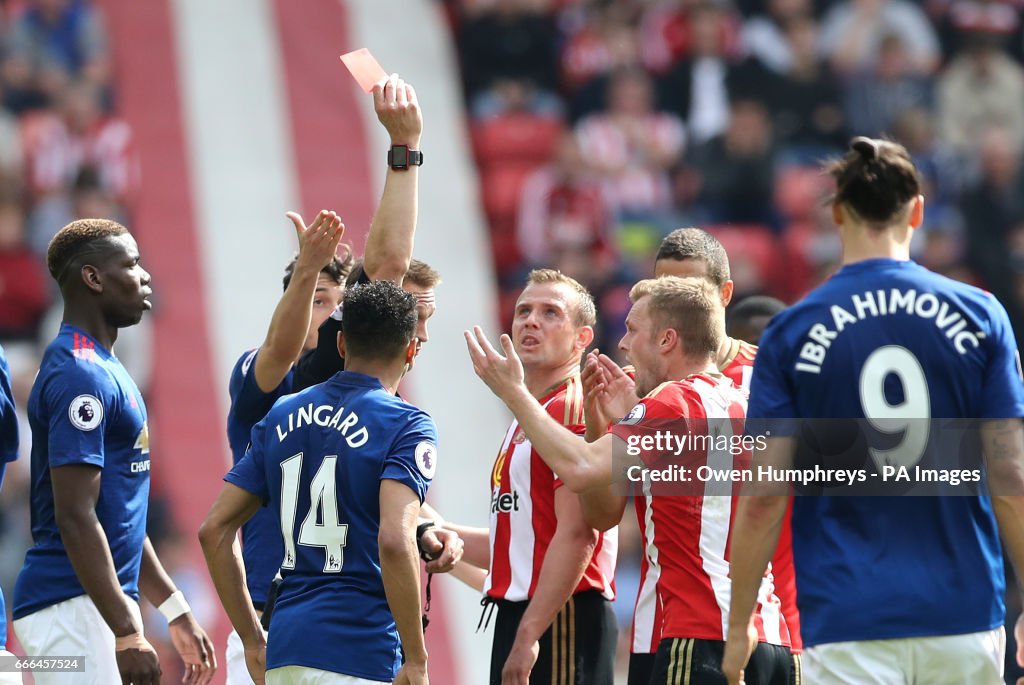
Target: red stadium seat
x,y
814,254
501,187
505,247
799,189
755,258
13,9
515,138
797,242
507,298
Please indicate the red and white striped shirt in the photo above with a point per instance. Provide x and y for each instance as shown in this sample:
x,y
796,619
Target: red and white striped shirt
x,y
54,154
685,586
523,517
630,181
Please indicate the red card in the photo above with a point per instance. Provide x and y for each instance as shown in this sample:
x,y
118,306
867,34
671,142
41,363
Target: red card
x,y
364,68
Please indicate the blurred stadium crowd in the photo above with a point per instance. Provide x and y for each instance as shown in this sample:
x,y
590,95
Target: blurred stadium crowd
x,y
598,126
64,154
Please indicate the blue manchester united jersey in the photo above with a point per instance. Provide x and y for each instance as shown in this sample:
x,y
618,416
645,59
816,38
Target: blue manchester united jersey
x,y
317,459
262,549
8,452
84,408
902,348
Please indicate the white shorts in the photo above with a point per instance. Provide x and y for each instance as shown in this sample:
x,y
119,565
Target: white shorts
x,y
300,675
975,658
234,655
73,627
9,677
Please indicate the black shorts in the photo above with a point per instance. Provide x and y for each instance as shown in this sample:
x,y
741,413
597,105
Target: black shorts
x,y
699,662
640,668
796,678
578,648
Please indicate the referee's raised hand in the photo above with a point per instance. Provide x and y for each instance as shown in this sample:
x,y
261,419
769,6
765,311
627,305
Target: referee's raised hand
x,y
396,105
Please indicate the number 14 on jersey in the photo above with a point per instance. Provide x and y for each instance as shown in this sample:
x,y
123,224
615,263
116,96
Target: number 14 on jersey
x,y
316,531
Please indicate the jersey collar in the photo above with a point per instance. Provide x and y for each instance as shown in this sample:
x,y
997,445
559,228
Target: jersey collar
x,y
356,378
878,263
72,330
546,395
734,349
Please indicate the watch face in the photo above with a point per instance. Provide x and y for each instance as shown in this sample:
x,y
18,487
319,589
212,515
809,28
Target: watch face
x,y
399,156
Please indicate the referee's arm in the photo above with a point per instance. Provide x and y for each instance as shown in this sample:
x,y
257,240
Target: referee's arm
x,y
389,243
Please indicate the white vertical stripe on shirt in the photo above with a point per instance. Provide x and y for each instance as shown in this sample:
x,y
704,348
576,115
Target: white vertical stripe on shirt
x,y
521,538
716,511
647,601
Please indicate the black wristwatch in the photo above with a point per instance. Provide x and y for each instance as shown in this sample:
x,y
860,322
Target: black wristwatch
x,y
401,157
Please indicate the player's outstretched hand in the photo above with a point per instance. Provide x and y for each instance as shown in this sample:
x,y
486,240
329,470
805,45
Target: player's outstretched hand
x,y
138,665
318,242
503,374
594,382
619,392
196,649
412,674
256,662
444,547
738,648
519,664
399,111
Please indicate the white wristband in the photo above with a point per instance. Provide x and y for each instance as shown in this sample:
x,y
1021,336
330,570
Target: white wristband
x,y
174,606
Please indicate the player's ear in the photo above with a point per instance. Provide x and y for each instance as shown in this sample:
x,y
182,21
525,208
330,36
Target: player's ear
x,y
668,339
917,211
411,350
837,214
727,291
584,336
92,279
341,344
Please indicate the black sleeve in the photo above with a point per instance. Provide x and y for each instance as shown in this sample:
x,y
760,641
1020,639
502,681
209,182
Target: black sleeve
x,y
323,361
317,365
